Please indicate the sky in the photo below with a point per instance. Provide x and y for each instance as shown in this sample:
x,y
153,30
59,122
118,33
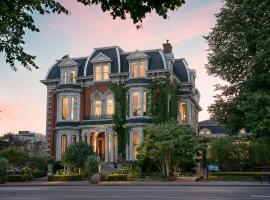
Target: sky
x,y
23,97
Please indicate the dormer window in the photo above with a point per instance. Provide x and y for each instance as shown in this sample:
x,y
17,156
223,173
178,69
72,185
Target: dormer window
x,y
138,68
102,66
68,70
101,71
138,64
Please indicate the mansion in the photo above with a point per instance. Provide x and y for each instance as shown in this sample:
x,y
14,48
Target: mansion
x,y
80,104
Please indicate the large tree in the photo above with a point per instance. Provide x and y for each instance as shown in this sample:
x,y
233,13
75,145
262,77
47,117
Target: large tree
x,y
168,145
17,15
239,53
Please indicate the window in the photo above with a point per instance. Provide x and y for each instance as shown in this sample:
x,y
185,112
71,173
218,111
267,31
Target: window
x,y
110,104
136,145
138,68
63,145
73,138
69,75
144,103
74,107
183,113
97,105
64,108
102,72
136,105
69,108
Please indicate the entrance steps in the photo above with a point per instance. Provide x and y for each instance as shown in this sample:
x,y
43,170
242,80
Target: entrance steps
x,y
108,167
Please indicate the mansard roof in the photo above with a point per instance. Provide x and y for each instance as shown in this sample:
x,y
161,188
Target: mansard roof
x,y
214,126
119,62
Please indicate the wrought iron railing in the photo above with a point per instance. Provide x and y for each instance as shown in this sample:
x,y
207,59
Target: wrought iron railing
x,y
96,117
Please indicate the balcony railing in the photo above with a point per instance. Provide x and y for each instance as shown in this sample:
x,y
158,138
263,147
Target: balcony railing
x,y
97,117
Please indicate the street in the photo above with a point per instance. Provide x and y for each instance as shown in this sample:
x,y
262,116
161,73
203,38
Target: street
x,y
134,192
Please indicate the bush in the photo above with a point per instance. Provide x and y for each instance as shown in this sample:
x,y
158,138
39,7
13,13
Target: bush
x,y
132,171
91,166
3,169
71,177
19,178
57,166
117,177
39,173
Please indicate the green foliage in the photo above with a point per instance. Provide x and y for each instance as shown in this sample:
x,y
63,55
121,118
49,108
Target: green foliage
x,y
229,153
260,152
16,157
167,144
117,177
119,117
77,153
3,169
38,162
164,102
133,171
239,54
16,16
91,166
70,177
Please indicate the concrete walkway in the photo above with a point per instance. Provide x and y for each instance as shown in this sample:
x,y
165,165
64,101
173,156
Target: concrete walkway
x,y
42,182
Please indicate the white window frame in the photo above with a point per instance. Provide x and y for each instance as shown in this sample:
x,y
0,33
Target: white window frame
x,y
101,64
106,104
59,107
142,104
66,79
138,67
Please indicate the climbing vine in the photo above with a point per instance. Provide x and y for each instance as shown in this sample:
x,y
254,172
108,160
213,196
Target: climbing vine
x,y
119,117
164,100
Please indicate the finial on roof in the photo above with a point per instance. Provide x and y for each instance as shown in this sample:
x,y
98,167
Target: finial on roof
x,y
65,56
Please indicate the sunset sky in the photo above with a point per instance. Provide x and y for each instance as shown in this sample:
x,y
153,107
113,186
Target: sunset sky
x,y
23,97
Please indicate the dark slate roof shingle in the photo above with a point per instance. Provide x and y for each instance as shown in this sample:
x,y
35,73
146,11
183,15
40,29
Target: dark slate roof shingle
x,y
180,70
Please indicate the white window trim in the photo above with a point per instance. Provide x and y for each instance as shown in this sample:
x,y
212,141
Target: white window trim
x,y
59,107
105,97
68,69
102,75
141,101
137,61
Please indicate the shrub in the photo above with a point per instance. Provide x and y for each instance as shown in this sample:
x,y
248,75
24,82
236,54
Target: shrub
x,y
57,166
19,177
3,169
117,177
38,173
71,177
15,156
91,166
132,171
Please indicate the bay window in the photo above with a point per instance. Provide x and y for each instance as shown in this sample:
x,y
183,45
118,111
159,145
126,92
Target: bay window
x,y
68,107
183,112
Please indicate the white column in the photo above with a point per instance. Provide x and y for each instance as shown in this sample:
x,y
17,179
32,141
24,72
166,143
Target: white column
x,y
111,148
106,146
130,146
68,139
141,103
58,147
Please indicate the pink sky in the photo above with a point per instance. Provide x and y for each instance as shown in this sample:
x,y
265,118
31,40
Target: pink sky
x,y
23,97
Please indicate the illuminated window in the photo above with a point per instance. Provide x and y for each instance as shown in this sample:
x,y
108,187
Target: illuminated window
x,y
64,108
136,105
74,107
144,103
68,75
97,105
102,72
73,138
110,104
72,76
138,69
183,113
63,144
136,145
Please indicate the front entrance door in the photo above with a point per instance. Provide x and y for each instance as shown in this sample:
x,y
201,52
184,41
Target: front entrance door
x,y
101,146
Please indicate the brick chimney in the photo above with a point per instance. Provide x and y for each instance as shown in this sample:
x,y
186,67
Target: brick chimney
x,y
167,47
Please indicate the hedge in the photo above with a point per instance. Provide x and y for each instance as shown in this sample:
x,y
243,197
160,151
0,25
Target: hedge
x,y
39,173
117,177
74,177
19,178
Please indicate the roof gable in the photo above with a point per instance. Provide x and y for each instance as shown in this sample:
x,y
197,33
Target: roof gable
x,y
67,62
101,57
137,55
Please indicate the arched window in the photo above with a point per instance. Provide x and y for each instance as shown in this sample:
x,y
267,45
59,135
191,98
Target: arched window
x,y
97,105
109,104
136,105
63,144
136,145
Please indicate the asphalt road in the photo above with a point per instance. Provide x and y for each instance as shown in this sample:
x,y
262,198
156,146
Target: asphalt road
x,y
134,192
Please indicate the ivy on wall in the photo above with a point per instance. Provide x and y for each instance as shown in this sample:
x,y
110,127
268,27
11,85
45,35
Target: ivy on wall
x,y
119,117
163,100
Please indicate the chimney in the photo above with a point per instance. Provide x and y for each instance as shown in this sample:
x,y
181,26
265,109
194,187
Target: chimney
x,y
167,47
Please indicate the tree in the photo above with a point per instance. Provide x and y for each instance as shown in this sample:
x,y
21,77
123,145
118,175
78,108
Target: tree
x,y
77,154
167,144
239,51
17,15
15,156
3,169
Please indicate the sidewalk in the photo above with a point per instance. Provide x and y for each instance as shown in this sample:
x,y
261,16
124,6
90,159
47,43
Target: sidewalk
x,y
136,183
